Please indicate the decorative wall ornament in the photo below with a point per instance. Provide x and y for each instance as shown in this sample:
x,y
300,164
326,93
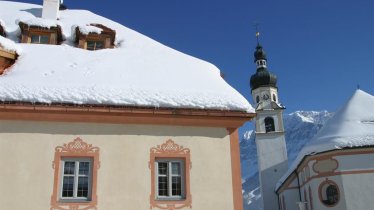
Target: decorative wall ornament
x,y
76,149
170,149
322,166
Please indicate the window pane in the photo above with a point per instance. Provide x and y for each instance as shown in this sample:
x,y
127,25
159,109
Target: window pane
x,y
34,38
68,186
162,168
82,190
44,39
99,45
69,168
176,168
163,186
84,168
176,186
90,45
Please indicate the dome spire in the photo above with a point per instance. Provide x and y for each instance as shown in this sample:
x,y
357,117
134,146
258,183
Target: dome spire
x,y
262,77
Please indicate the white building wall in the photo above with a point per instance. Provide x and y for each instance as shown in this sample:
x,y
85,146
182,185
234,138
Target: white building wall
x,y
124,179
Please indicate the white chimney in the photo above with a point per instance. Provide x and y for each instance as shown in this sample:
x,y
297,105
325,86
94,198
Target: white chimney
x,y
51,9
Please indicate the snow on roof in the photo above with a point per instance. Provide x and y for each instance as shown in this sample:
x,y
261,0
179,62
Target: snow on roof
x,y
137,72
8,45
40,22
352,126
86,29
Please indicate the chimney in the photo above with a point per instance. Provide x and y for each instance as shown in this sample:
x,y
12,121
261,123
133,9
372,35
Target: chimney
x,y
51,9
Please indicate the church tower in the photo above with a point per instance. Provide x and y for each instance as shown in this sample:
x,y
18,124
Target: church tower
x,y
270,140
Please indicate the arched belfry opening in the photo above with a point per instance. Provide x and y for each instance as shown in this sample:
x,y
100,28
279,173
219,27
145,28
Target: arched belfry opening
x,y
269,124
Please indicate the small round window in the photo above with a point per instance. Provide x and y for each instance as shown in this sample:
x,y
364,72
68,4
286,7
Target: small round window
x,y
329,193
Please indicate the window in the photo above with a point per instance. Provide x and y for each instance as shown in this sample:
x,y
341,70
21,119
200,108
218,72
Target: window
x,y
95,45
329,193
257,99
170,167
76,179
170,179
269,124
39,39
332,195
274,98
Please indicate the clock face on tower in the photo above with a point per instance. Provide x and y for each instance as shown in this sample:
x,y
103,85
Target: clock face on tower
x,y
265,97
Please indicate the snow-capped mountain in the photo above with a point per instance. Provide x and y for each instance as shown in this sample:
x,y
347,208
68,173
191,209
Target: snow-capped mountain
x,y
300,127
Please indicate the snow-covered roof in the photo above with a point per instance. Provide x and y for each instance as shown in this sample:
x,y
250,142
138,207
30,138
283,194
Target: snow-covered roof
x,y
137,72
39,22
8,45
352,126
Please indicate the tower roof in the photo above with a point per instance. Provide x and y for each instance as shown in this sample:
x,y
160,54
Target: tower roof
x,y
262,77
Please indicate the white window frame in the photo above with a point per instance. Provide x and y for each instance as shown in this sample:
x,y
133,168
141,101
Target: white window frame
x,y
95,41
169,161
39,38
76,175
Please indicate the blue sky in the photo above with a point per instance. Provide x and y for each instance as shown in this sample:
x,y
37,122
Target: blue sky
x,y
320,50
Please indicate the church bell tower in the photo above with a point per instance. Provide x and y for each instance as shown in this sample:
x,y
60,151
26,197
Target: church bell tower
x,y
270,140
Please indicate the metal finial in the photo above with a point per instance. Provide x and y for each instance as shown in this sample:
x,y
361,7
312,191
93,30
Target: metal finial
x,y
256,25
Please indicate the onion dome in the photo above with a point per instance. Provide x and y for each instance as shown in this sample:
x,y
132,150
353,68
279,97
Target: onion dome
x,y
262,77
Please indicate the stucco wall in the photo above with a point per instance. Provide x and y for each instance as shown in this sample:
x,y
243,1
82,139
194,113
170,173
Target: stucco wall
x,y
124,180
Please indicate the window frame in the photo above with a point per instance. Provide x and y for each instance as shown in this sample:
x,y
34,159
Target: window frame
x,y
95,41
169,175
76,176
48,35
322,191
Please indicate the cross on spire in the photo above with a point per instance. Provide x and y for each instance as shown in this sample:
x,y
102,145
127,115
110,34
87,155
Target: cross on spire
x,y
256,25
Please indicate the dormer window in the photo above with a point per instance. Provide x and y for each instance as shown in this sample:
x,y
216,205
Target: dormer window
x,y
7,55
94,37
38,32
95,45
39,39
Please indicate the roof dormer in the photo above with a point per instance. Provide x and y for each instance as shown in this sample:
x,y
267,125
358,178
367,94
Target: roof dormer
x,y
8,54
94,37
40,31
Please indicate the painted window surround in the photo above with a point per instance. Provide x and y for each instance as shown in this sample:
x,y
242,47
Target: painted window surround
x,y
170,150
322,190
75,149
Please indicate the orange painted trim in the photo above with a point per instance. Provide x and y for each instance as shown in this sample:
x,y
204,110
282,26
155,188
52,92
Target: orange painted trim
x,y
235,169
76,148
170,149
123,115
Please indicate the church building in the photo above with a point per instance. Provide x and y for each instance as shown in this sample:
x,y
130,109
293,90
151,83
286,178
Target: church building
x,y
334,171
